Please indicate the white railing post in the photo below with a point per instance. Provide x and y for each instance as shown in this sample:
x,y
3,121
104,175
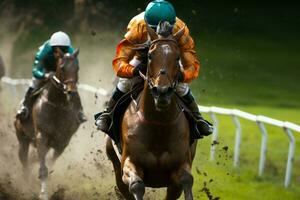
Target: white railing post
x,y
214,135
263,149
290,159
238,137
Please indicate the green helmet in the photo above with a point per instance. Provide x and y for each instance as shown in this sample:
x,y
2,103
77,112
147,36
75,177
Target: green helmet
x,y
159,10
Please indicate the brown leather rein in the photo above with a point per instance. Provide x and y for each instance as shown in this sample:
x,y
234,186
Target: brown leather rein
x,y
61,85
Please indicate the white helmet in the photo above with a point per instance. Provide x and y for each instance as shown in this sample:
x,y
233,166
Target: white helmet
x,y
60,39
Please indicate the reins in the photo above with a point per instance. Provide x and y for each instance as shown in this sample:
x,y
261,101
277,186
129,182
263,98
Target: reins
x,y
61,85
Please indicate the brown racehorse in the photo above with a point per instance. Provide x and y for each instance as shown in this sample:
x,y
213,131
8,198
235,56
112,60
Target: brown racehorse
x,y
156,150
53,119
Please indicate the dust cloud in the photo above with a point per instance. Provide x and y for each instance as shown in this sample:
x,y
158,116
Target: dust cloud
x,y
83,171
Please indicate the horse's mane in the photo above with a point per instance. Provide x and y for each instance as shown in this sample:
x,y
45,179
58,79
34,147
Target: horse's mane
x,y
164,29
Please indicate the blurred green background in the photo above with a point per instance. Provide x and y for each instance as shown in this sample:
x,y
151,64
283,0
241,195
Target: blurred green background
x,y
252,43
249,53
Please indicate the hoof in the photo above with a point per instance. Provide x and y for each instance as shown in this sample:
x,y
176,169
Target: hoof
x,y
137,189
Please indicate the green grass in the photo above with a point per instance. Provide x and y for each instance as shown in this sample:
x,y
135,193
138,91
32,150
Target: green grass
x,y
243,182
256,74
247,69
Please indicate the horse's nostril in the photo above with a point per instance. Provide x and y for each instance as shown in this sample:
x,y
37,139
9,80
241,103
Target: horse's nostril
x,y
170,90
163,72
155,91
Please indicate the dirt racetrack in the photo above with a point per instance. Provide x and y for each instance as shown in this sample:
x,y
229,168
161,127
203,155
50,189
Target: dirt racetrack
x,y
82,172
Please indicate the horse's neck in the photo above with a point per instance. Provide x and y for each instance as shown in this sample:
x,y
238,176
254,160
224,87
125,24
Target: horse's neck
x,y
56,95
147,107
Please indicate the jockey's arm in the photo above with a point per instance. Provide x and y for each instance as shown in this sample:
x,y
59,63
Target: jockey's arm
x,y
38,70
123,63
124,55
189,60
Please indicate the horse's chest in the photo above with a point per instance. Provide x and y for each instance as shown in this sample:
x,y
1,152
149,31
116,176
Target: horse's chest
x,y
57,120
158,152
159,147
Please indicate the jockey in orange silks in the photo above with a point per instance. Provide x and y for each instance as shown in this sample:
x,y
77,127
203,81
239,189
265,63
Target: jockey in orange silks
x,y
127,61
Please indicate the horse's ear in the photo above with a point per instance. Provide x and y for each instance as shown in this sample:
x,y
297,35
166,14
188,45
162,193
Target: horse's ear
x,y
179,33
153,35
76,52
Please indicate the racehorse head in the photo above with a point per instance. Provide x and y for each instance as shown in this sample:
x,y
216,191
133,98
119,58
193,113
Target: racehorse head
x,y
163,64
67,72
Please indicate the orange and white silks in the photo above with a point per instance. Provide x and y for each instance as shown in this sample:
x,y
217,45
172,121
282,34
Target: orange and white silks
x,y
137,34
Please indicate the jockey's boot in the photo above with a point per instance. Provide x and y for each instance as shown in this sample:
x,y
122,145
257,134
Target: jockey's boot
x,y
204,127
103,122
25,108
80,115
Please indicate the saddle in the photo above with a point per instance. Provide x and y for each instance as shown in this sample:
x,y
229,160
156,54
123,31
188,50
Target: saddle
x,y
118,112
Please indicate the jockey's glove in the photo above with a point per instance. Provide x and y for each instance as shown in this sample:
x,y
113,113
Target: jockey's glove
x,y
138,69
49,75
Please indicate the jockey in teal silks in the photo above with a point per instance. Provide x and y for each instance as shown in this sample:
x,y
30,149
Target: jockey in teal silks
x,y
45,65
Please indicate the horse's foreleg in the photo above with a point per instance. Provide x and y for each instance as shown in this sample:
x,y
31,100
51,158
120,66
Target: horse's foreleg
x,y
111,154
57,153
133,177
23,155
42,149
187,181
184,179
174,192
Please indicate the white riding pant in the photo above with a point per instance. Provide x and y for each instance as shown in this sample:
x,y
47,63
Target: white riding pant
x,y
126,84
35,83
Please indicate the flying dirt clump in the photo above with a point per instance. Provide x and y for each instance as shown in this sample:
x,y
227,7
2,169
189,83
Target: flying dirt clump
x,y
206,190
59,194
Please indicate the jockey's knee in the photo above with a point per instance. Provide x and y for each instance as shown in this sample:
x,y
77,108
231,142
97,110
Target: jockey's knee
x,y
124,85
182,89
35,83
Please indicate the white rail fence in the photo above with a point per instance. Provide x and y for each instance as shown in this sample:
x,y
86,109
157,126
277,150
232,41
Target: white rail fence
x,y
287,127
261,120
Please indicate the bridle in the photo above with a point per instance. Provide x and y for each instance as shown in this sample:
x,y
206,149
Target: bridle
x,y
162,71
62,85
